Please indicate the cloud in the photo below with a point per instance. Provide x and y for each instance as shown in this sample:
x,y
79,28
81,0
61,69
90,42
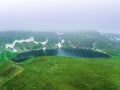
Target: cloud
x,y
60,14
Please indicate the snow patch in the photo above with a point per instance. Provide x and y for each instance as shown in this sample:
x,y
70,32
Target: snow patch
x,y
73,46
12,46
44,44
59,45
44,48
100,50
31,39
117,38
94,46
60,33
101,33
63,41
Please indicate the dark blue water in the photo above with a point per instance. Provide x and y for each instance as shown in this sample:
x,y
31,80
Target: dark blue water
x,y
60,52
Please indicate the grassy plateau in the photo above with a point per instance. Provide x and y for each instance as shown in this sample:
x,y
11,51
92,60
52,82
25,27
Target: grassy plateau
x,y
61,73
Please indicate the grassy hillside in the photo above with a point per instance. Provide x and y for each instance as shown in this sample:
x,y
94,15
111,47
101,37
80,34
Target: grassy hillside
x,y
8,71
6,56
63,73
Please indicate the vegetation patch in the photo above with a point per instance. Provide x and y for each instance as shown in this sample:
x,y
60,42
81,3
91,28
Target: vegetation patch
x,y
9,71
65,73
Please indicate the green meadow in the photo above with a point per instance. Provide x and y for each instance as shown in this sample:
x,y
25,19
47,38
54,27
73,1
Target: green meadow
x,y
61,73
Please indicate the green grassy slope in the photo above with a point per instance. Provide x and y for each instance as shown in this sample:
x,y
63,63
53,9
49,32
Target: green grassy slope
x,y
5,56
8,71
62,73
1,61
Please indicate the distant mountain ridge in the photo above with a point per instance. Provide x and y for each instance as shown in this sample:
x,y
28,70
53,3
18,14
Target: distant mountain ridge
x,y
93,40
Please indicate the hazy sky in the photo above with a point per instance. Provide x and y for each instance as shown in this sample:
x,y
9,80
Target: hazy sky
x,y
102,15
